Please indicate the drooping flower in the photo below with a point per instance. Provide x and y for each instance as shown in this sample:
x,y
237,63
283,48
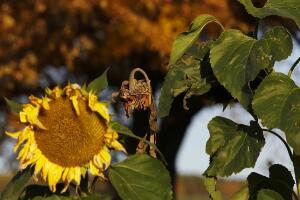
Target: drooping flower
x,y
67,133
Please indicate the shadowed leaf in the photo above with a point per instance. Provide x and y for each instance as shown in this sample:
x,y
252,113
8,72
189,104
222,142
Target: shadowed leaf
x,y
232,147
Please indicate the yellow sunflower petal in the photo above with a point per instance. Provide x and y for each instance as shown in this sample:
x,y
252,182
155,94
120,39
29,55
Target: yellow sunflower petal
x,y
55,93
65,174
75,104
71,174
105,157
45,170
77,175
117,146
99,107
30,114
24,135
45,103
111,134
39,165
54,177
13,135
97,161
23,117
93,169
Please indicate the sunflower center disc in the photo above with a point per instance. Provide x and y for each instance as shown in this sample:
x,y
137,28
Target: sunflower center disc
x,y
70,140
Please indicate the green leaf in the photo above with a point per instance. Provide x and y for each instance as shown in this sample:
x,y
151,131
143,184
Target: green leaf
x,y
186,39
232,146
210,185
141,177
276,103
184,76
270,98
290,120
99,83
279,180
287,9
14,107
236,59
229,61
280,42
16,185
242,194
266,194
121,129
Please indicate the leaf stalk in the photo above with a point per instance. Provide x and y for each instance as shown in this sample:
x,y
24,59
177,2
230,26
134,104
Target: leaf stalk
x,y
293,67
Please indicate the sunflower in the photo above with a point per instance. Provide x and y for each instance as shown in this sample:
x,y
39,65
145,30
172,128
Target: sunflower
x,y
67,133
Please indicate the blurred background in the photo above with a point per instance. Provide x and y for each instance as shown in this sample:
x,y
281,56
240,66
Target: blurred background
x,y
46,43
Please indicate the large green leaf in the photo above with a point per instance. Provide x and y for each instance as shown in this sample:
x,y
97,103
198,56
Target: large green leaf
x,y
229,61
16,185
270,98
279,180
210,185
290,120
232,146
287,9
276,103
184,76
236,59
99,83
141,177
266,194
186,39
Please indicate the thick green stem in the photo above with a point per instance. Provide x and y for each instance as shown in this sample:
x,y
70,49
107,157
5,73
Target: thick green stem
x,y
293,67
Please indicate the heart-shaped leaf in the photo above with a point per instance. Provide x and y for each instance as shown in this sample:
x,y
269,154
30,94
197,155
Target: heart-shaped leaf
x,y
276,103
232,146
